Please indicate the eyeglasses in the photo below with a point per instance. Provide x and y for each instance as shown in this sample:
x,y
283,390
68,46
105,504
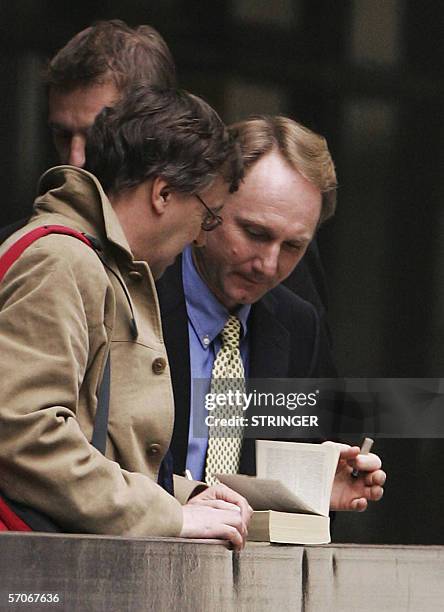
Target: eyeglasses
x,y
211,220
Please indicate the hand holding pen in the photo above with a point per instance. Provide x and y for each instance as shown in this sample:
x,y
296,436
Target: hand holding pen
x,y
366,447
359,478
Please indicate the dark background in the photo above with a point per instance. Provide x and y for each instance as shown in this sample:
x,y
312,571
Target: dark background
x,y
369,75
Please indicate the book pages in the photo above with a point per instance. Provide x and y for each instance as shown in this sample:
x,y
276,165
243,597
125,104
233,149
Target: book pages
x,y
307,470
266,494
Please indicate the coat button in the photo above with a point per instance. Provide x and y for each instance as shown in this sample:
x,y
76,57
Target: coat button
x,y
159,365
134,275
153,449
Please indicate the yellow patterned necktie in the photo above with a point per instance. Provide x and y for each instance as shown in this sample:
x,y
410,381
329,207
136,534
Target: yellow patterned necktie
x,y
223,454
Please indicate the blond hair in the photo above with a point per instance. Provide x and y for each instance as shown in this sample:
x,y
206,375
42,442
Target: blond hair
x,y
306,151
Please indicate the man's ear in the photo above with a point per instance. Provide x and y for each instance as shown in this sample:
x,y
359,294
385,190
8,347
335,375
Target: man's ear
x,y
160,195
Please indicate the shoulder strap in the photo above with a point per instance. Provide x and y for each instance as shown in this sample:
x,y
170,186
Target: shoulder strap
x,y
16,249
6,261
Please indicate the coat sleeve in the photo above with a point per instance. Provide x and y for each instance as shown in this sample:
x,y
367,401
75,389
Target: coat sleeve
x,y
51,307
185,489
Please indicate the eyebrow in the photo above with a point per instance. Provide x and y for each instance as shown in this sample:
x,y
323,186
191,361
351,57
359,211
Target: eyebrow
x,y
54,125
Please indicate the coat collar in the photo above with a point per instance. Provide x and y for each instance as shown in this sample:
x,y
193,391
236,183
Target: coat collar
x,y
77,194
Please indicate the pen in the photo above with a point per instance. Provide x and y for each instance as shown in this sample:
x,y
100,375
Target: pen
x,y
366,447
188,475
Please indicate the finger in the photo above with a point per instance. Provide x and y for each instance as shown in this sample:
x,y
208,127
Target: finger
x,y
375,478
207,522
359,505
368,463
217,519
352,450
349,456
373,493
223,492
246,510
232,535
234,519
376,493
218,504
220,491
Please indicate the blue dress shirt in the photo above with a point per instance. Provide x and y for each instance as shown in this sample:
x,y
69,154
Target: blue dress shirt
x,y
206,319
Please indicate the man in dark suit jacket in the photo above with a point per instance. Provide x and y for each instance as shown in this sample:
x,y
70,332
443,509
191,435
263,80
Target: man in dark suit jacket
x,y
268,224
286,341
258,245
267,227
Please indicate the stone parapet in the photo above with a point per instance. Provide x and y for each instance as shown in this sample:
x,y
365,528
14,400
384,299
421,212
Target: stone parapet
x,y
97,573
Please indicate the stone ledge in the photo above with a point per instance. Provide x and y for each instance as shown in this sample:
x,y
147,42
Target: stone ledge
x,y
97,573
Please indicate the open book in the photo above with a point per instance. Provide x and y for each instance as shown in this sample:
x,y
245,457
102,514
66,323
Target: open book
x,y
291,493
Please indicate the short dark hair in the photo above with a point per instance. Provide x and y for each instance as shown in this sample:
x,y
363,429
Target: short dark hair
x,y
306,151
112,51
168,133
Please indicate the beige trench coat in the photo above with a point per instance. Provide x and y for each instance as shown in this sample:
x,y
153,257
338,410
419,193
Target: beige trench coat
x,y
60,310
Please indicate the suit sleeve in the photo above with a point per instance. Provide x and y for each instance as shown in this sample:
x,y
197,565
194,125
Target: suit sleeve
x,y
51,324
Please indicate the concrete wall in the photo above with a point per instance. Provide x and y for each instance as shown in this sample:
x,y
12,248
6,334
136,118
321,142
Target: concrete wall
x,y
94,573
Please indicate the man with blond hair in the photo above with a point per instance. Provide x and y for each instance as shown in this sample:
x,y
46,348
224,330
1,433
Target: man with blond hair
x,y
288,190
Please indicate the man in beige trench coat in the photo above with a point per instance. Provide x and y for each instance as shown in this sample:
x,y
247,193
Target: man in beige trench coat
x,y
62,310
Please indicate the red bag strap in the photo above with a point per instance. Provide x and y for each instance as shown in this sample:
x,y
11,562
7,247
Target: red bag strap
x,y
9,518
16,249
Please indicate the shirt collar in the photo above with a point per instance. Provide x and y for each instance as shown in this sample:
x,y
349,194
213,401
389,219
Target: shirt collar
x,y
205,313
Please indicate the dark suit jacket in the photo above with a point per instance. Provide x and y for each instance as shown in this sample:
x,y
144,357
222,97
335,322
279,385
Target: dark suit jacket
x,y
308,282
286,341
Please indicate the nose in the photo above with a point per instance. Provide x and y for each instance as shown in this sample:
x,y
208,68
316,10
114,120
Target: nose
x,y
267,262
76,155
